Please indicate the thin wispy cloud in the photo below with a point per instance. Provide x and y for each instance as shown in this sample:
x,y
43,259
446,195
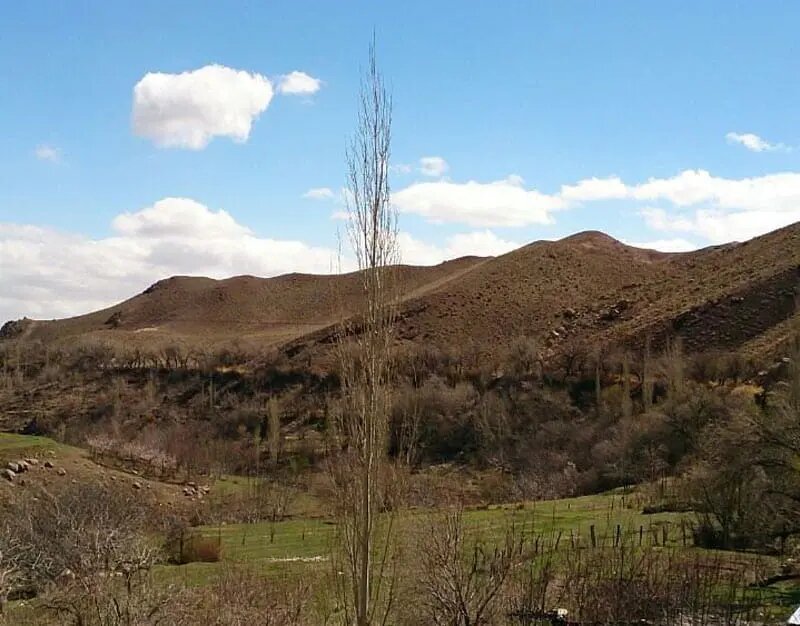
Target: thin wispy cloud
x,y
754,143
320,193
45,152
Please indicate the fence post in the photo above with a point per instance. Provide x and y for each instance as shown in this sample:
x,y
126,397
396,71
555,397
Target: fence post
x,y
641,533
558,539
617,538
664,534
594,539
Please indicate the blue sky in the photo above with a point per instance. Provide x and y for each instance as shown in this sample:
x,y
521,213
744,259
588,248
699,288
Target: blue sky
x,y
519,101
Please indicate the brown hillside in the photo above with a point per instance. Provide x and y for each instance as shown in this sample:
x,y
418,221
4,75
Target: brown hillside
x,y
586,289
592,290
263,309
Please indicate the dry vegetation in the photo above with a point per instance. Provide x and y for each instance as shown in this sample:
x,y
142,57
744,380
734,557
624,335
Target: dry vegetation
x,y
331,450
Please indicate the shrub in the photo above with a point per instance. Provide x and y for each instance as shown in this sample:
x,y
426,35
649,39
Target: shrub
x,y
185,547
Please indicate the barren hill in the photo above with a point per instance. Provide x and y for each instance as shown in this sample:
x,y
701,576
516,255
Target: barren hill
x,y
264,309
585,289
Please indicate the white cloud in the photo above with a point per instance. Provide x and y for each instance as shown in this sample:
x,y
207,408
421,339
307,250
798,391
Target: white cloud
x,y
500,203
754,142
594,189
694,201
659,219
665,245
47,273
478,243
45,152
178,217
187,110
721,209
319,193
720,227
298,83
433,166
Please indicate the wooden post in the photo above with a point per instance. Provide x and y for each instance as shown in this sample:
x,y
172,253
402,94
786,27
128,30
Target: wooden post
x,y
641,533
664,534
617,537
572,539
683,531
594,539
558,539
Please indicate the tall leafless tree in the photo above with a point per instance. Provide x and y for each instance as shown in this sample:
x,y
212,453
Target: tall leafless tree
x,y
364,351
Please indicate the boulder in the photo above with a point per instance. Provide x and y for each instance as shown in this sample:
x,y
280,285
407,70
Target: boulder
x,y
32,461
8,474
48,464
137,484
610,314
13,466
23,466
61,471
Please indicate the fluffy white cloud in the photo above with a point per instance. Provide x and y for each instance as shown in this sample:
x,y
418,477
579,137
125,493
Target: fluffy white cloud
x,y
298,84
47,273
754,142
319,193
178,217
500,203
719,226
694,201
721,209
187,110
433,166
49,153
594,189
478,243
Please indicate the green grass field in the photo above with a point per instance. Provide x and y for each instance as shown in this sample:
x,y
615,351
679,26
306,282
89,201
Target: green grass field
x,y
303,543
12,444
298,544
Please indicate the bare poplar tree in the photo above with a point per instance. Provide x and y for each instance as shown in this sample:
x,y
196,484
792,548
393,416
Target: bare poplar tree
x,y
362,419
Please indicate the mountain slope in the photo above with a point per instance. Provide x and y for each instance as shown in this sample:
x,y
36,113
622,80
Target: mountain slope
x,y
587,289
